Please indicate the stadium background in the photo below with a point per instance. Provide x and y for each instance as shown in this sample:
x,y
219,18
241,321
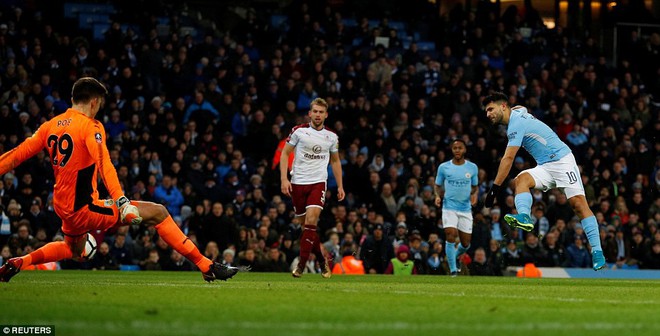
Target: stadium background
x,y
401,86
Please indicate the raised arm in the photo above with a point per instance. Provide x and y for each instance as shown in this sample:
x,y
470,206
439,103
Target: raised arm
x,y
24,151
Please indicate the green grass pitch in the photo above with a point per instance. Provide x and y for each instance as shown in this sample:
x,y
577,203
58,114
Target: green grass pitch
x,y
165,303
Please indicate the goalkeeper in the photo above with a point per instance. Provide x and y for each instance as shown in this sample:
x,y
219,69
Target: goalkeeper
x,y
75,142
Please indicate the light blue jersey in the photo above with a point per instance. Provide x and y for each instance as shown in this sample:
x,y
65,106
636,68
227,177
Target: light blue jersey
x,y
458,182
541,142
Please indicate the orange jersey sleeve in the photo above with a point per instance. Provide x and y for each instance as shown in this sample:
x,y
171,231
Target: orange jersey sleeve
x,y
24,151
95,142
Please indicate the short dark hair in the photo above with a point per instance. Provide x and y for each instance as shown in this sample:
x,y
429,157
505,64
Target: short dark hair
x,y
86,89
495,97
459,140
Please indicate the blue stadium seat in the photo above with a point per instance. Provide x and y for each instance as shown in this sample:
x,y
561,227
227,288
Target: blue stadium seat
x,y
397,25
280,22
71,10
87,20
349,23
426,45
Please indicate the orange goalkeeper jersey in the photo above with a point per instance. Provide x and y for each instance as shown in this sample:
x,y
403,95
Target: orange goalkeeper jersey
x,y
76,146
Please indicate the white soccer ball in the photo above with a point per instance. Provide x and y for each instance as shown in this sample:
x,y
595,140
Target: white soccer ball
x,y
90,247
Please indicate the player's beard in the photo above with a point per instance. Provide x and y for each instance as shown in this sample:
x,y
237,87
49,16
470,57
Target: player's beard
x,y
316,124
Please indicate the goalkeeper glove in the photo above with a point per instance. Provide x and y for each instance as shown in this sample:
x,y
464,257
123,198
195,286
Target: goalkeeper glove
x,y
492,193
129,213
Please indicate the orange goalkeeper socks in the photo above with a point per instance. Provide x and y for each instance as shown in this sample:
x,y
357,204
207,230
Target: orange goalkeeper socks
x,y
54,251
173,236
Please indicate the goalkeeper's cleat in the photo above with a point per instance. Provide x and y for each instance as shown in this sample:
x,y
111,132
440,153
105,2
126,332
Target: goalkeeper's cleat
x,y
519,221
11,268
598,259
297,272
326,271
218,271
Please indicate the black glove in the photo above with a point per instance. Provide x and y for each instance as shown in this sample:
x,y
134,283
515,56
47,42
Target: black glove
x,y
492,193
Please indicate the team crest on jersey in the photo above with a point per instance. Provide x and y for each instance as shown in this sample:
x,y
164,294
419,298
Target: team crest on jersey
x,y
316,149
468,175
98,137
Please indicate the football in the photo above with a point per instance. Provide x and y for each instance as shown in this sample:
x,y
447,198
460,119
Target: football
x,y
90,247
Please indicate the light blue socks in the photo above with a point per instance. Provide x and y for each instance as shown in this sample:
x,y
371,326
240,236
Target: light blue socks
x,y
461,250
450,250
524,203
590,226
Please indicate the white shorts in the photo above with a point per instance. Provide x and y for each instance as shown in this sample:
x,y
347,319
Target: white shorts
x,y
563,174
457,220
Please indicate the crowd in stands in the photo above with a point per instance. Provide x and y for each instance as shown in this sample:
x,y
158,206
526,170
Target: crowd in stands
x,y
194,122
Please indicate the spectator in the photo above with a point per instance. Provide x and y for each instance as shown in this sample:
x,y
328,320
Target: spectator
x,y
494,256
121,250
479,264
103,259
212,252
578,256
401,265
653,256
152,263
376,252
248,258
201,111
512,255
556,252
169,195
533,252
436,260
228,257
178,263
273,262
5,254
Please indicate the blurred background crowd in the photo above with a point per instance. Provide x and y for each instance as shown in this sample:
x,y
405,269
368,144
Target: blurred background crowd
x,y
201,99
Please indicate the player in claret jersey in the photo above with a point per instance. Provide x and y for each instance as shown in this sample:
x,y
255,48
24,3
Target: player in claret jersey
x,y
314,146
75,142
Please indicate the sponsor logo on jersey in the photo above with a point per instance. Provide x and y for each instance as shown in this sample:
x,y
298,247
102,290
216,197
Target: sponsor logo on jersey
x,y
314,156
316,149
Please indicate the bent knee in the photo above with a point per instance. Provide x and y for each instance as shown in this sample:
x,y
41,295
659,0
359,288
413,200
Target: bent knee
x,y
160,213
525,180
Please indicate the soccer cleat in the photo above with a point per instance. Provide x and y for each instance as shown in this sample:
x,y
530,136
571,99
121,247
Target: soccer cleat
x,y
519,221
297,272
453,274
326,272
218,271
598,259
11,268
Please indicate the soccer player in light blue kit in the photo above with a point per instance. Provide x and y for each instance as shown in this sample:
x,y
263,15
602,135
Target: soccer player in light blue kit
x,y
456,183
556,168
